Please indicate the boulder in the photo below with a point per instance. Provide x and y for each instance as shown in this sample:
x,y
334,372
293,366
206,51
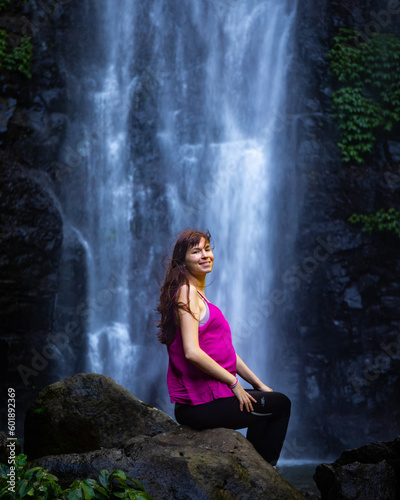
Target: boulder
x,y
87,422
183,464
88,412
365,473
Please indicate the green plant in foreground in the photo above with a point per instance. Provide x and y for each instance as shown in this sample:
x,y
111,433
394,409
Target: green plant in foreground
x,y
39,484
367,101
383,220
17,58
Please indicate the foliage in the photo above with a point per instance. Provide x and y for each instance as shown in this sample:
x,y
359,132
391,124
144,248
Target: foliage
x,y
35,482
383,220
4,4
17,58
368,99
39,484
112,485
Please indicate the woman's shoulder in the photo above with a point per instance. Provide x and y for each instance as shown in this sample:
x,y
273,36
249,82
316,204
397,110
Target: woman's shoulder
x,y
182,293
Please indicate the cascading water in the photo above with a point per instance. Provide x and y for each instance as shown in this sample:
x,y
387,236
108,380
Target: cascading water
x,y
222,70
106,197
110,196
180,108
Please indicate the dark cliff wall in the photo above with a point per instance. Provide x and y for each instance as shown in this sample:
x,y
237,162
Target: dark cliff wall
x,y
339,342
37,254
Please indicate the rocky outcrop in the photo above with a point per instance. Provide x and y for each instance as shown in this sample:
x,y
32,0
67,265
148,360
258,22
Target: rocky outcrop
x,y
183,464
86,423
34,242
88,412
338,349
366,473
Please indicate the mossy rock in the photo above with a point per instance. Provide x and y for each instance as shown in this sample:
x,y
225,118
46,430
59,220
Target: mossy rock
x,y
184,464
88,412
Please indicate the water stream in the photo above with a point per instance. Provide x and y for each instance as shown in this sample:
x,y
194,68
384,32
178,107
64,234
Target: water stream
x,y
183,110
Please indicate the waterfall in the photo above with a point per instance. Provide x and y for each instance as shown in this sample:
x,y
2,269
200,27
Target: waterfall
x,y
103,210
110,193
181,110
221,71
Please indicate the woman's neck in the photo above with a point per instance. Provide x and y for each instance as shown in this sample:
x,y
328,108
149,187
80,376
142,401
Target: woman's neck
x,y
199,283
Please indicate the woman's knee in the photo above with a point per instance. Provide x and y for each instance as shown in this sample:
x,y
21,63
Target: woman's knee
x,y
287,404
282,402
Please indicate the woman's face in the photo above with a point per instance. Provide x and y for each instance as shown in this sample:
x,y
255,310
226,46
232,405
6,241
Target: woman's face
x,y
200,259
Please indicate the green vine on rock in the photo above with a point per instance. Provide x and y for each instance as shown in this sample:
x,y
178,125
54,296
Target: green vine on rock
x,y
383,220
367,102
16,58
39,484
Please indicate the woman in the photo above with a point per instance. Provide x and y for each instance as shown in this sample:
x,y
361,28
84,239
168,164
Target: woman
x,y
202,361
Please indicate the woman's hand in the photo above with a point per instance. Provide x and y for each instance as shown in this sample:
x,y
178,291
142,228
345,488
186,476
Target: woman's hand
x,y
263,387
244,371
244,397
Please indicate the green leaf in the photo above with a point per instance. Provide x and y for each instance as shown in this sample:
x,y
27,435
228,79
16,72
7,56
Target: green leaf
x,y
104,478
101,490
138,485
140,495
75,494
119,473
88,491
24,488
34,469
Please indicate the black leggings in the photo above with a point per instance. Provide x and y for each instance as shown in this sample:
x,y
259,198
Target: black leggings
x,y
267,424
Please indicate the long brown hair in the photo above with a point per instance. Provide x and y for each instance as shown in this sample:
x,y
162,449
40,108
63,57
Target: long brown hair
x,y
175,277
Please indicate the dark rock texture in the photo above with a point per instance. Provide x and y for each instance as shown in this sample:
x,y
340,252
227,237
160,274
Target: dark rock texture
x,y
367,473
87,423
88,412
37,250
183,464
357,481
338,350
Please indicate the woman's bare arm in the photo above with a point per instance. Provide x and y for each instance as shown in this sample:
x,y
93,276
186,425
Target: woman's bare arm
x,y
244,371
189,326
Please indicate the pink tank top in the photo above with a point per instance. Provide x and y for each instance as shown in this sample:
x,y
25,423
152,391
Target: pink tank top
x,y
188,384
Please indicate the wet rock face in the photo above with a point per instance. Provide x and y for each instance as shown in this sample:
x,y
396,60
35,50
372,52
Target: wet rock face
x,y
366,473
361,481
339,337
32,240
31,244
88,412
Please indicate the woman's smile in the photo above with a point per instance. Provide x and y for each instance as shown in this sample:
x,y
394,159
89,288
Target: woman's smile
x,y
199,258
